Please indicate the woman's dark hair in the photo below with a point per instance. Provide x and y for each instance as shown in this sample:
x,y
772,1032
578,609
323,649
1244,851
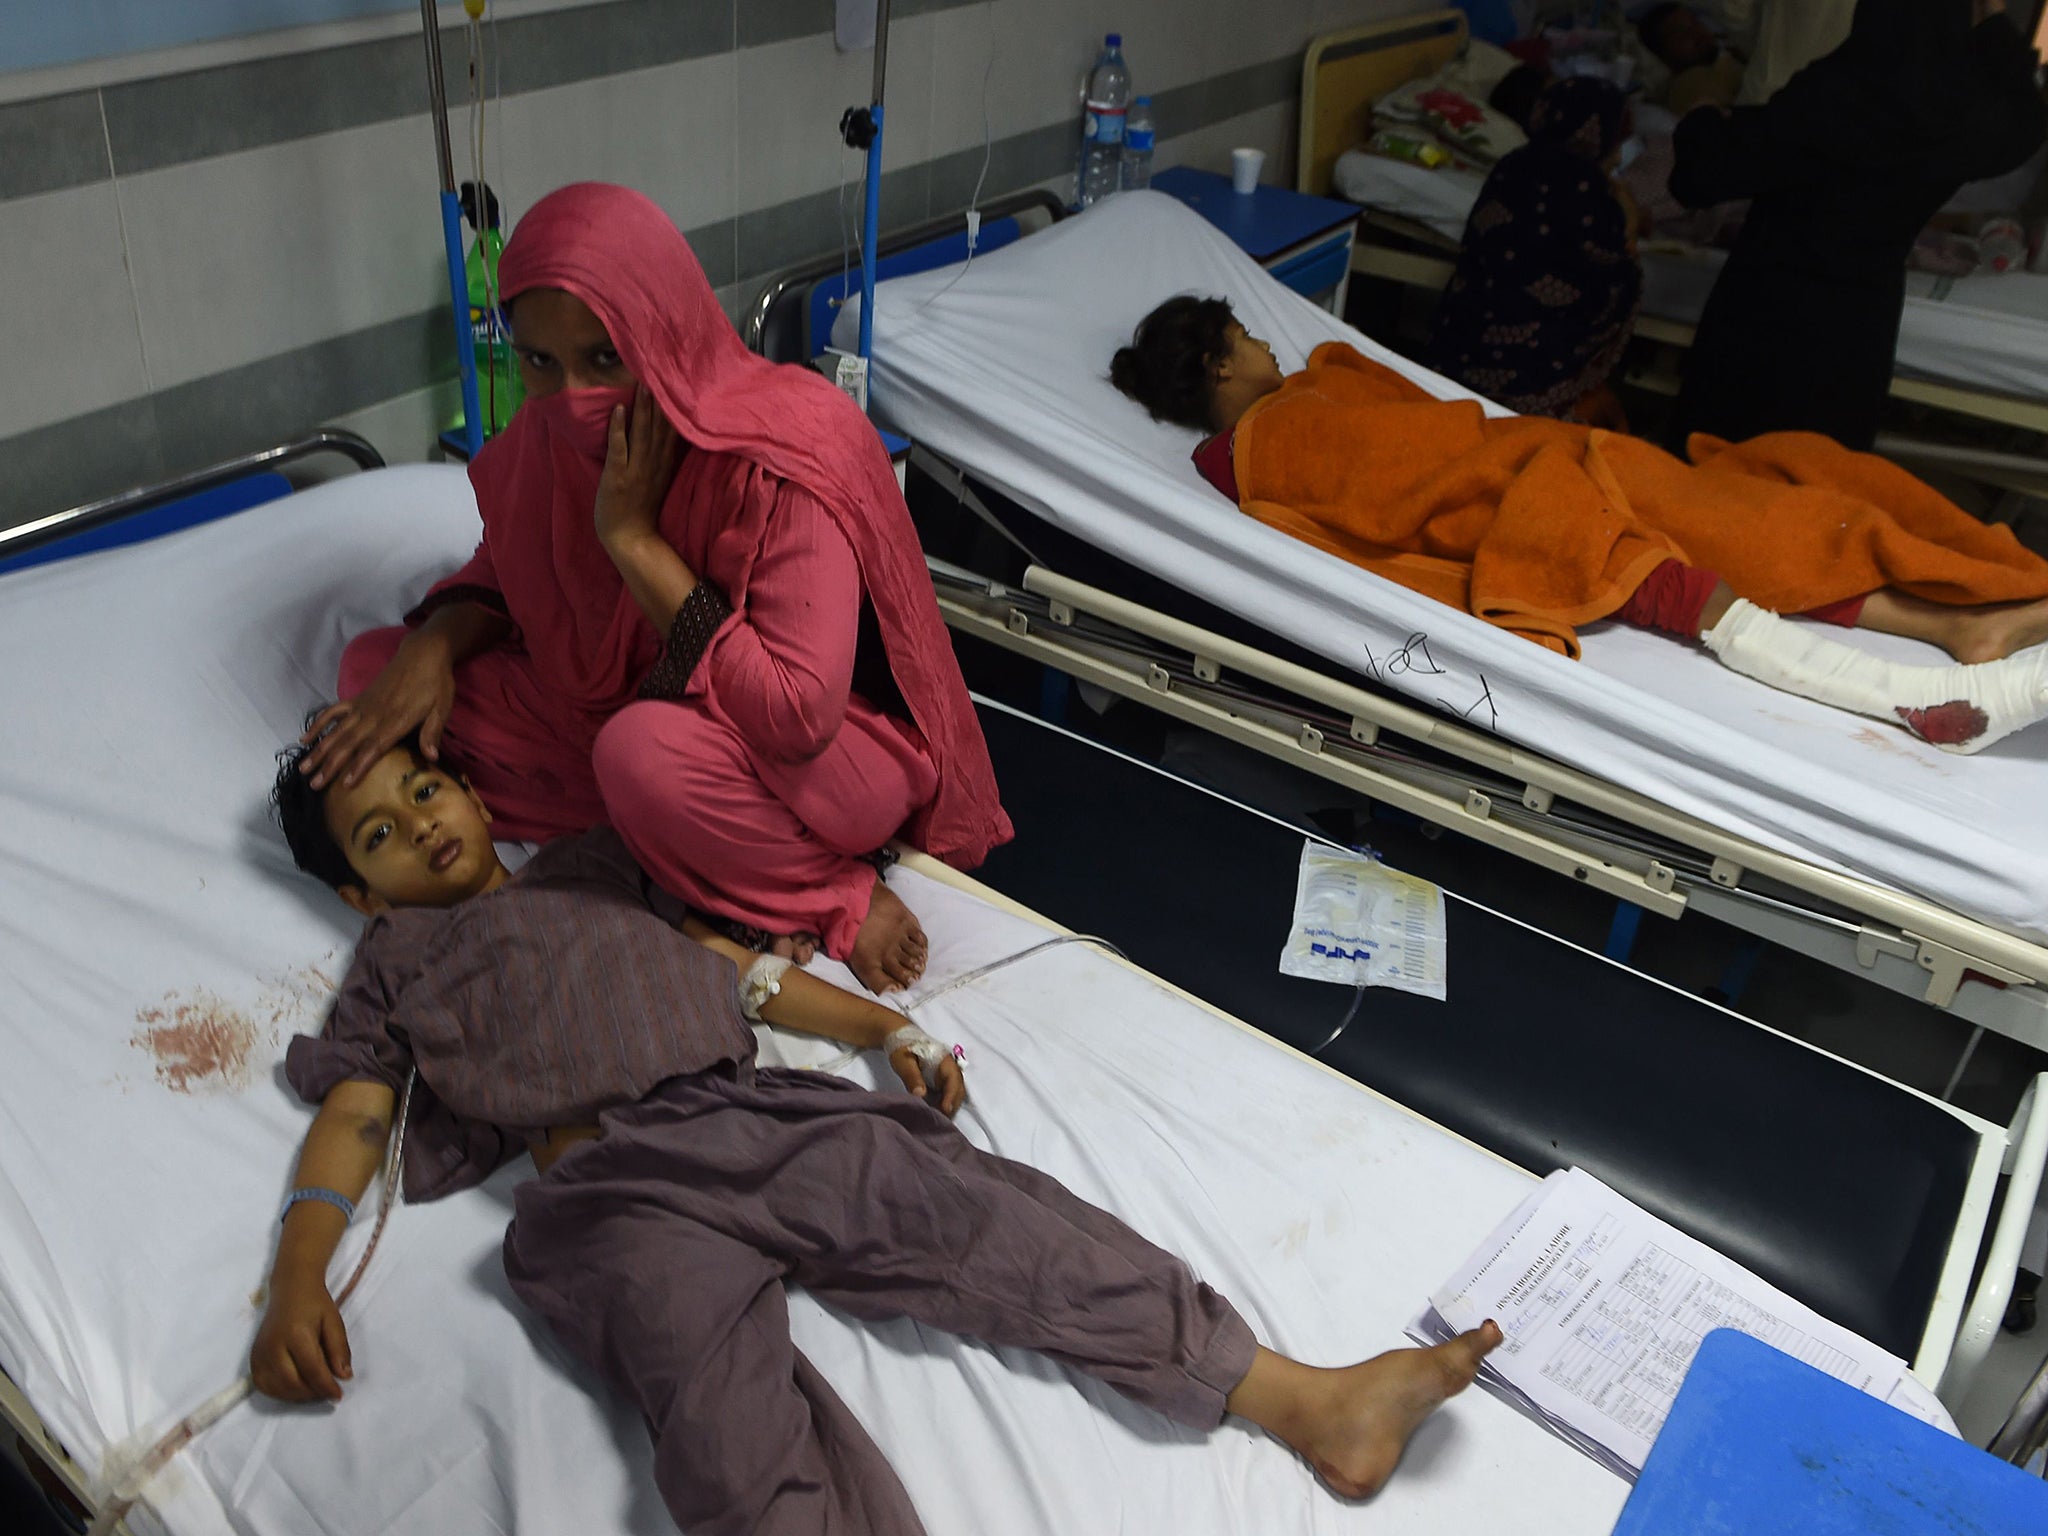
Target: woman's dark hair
x,y
1167,367
1579,113
301,812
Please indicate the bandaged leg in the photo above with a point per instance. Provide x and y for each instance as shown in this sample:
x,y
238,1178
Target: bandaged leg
x,y
1957,708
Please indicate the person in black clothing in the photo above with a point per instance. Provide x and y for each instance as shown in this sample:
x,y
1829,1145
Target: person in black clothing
x,y
1845,165
1539,309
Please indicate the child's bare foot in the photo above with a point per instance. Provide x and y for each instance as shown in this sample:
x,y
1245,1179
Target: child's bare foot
x,y
1992,634
800,946
1352,1424
889,951
1971,635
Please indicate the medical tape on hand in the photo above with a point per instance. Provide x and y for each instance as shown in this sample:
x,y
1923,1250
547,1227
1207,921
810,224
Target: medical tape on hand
x,y
761,983
927,1052
1960,708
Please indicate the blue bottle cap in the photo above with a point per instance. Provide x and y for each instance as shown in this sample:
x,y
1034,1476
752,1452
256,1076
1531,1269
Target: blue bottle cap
x,y
1141,101
1113,40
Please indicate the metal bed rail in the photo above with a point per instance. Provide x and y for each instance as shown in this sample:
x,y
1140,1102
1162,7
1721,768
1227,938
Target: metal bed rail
x,y
1555,816
45,1462
111,509
757,329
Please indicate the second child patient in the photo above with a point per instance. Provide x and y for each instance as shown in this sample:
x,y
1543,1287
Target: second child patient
x,y
574,1011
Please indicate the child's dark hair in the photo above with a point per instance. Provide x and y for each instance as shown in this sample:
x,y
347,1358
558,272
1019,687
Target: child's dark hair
x,y
1650,25
301,812
1168,366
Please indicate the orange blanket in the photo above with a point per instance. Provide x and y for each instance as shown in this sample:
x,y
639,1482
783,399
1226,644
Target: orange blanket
x,y
1541,526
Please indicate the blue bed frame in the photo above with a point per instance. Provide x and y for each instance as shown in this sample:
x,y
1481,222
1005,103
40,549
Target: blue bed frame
x,y
148,512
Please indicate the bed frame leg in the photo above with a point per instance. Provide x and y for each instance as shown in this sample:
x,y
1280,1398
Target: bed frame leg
x,y
1735,975
1055,688
1621,933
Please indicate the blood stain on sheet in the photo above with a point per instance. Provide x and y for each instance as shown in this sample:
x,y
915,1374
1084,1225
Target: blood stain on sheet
x,y
200,1043
291,999
1894,743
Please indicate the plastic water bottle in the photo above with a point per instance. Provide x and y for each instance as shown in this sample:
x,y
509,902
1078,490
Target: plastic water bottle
x,y
1102,130
2002,245
1137,162
497,372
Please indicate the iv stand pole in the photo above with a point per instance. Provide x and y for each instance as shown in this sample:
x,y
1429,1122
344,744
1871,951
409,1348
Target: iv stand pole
x,y
451,229
861,128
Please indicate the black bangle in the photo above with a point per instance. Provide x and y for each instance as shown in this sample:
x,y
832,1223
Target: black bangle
x,y
689,635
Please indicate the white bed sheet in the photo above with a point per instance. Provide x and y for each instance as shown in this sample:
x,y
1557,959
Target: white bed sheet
x,y
1005,372
139,877
1988,331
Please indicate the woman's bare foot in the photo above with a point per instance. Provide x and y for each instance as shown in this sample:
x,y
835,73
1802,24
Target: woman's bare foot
x,y
889,951
1351,1424
799,947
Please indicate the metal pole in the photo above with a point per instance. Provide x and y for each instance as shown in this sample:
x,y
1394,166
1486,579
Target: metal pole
x,y
871,212
881,49
451,233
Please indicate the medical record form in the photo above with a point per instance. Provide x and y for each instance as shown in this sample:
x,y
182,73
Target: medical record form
x,y
1603,1307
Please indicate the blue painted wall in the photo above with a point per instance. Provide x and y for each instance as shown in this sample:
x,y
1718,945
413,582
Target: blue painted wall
x,y
35,33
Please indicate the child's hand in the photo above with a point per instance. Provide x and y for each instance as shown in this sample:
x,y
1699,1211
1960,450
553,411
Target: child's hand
x,y
301,1350
948,1080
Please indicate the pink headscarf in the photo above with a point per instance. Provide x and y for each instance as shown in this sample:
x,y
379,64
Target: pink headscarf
x,y
536,486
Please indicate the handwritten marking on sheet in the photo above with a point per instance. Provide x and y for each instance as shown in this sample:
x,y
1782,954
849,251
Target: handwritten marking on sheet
x,y
1470,711
198,1042
1413,656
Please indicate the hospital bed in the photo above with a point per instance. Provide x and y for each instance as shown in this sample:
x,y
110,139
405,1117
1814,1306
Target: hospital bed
x,y
1646,771
160,951
1977,346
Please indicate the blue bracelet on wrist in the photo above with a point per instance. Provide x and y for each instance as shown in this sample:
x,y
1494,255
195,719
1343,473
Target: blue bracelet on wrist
x,y
333,1197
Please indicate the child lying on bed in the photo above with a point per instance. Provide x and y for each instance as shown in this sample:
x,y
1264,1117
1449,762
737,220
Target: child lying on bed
x,y
574,1011
1543,526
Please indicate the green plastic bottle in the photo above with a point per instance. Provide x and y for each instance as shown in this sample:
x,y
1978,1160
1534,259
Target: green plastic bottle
x,y
497,371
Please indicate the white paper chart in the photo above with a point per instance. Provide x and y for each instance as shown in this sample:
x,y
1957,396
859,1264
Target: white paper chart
x,y
1604,1306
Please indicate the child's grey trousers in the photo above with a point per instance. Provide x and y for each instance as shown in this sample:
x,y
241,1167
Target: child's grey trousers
x,y
658,1254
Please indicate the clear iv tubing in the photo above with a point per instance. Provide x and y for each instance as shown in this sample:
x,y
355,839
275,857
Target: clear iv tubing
x,y
910,1006
1343,1024
127,1484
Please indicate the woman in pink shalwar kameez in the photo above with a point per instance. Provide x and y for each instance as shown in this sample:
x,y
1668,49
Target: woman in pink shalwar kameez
x,y
685,548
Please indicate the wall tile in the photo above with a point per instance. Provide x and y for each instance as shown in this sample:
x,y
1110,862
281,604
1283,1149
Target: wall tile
x,y
1044,50
666,131
52,143
67,329
963,42
790,99
1024,159
276,398
773,238
184,117
774,21
79,459
1208,149
405,430
247,256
